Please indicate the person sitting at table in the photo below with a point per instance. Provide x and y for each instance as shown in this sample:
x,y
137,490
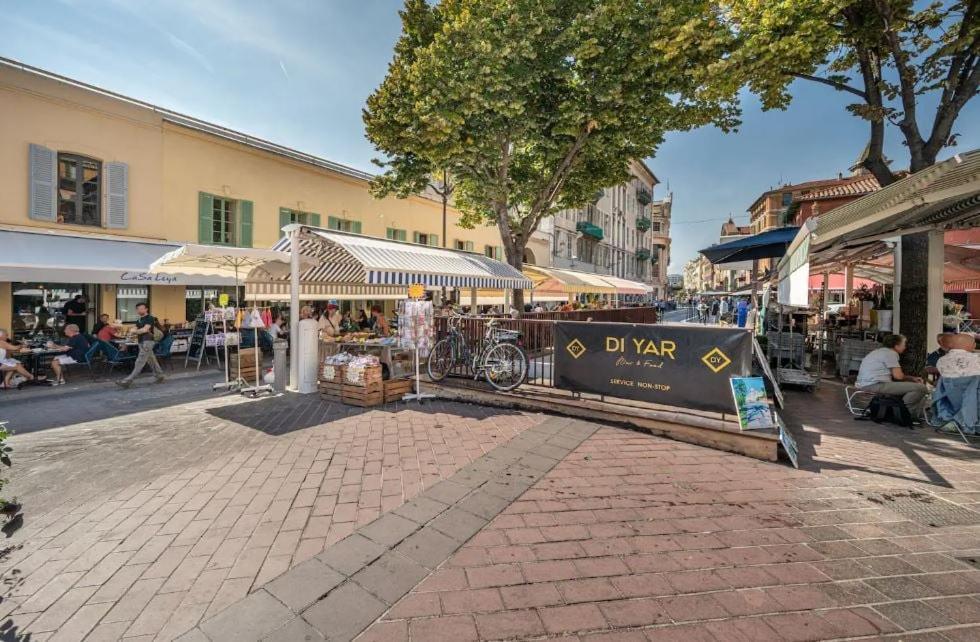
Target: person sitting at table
x,y
933,357
380,325
957,395
10,367
101,323
76,345
107,332
881,374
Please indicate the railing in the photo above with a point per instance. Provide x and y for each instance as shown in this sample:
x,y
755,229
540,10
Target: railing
x,y
538,334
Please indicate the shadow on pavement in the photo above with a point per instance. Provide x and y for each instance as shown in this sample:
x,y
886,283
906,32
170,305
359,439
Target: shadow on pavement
x,y
286,413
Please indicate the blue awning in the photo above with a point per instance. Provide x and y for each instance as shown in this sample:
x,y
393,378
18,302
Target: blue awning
x,y
770,244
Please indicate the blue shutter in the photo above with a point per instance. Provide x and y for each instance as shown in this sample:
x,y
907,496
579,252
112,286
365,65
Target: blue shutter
x,y
117,199
44,174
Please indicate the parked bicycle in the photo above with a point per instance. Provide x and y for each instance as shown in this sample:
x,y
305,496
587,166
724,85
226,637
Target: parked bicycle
x,y
497,357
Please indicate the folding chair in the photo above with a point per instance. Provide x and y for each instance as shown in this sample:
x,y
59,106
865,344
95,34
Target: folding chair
x,y
857,400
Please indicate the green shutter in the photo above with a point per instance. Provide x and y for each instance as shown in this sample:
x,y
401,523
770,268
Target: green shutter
x,y
205,218
402,235
245,224
333,223
315,220
355,227
433,240
498,252
285,218
469,246
416,237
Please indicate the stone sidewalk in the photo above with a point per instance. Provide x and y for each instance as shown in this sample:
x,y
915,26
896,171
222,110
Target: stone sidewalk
x,y
141,524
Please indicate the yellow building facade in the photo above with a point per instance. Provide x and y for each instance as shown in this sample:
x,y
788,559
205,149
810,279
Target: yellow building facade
x,y
97,185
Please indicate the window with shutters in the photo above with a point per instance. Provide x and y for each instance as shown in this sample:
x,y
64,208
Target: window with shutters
x,y
289,216
426,239
466,246
344,225
395,234
223,222
79,190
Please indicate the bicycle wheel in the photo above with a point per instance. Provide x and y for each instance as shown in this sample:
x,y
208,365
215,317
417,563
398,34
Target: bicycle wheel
x,y
505,366
441,360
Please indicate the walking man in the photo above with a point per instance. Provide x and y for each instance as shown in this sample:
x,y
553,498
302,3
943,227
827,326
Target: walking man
x,y
145,325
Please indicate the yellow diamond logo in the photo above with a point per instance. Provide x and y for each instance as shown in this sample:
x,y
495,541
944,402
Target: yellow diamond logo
x,y
716,360
575,348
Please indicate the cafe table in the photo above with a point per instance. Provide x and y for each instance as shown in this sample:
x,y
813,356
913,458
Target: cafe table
x,y
33,360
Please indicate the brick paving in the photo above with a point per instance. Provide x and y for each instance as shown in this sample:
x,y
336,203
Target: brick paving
x,y
143,523
634,538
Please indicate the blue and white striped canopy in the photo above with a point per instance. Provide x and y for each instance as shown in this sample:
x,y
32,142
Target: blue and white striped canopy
x,y
342,258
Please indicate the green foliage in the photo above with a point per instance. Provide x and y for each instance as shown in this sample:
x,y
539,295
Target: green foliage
x,y
534,105
884,54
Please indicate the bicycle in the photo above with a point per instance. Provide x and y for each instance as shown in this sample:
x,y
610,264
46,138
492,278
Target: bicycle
x,y
503,364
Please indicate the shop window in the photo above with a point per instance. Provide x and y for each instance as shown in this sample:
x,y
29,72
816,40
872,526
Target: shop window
x,y
224,221
79,190
289,216
344,225
127,299
394,234
40,307
197,300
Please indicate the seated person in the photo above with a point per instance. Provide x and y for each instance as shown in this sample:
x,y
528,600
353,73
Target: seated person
x,y
101,323
76,345
8,366
957,395
105,331
881,374
935,355
960,359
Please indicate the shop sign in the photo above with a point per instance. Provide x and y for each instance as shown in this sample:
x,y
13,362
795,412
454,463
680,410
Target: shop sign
x,y
146,277
670,365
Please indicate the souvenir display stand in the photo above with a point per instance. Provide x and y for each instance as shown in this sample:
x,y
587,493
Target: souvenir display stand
x,y
417,331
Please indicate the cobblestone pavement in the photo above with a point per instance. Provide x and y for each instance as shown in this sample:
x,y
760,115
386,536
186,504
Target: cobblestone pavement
x,y
141,523
634,538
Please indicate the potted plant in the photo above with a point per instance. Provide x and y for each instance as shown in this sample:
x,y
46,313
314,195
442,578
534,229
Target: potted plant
x,y
884,309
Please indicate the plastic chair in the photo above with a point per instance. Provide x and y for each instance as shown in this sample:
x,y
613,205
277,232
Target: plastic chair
x,y
857,400
162,350
114,357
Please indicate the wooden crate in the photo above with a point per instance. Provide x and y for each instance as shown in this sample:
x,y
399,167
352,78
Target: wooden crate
x,y
395,389
338,373
372,376
363,396
247,360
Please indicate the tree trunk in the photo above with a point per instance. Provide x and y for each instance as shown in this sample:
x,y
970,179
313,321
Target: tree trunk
x,y
515,258
913,300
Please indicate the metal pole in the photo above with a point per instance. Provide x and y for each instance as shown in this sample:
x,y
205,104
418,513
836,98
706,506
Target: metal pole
x,y
294,308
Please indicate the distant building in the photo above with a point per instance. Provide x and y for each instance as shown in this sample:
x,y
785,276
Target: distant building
x,y
675,281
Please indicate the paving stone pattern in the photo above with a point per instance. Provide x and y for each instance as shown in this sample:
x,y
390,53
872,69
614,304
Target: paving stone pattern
x,y
341,591
634,538
140,525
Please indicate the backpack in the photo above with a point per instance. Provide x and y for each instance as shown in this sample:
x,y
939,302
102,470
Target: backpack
x,y
886,409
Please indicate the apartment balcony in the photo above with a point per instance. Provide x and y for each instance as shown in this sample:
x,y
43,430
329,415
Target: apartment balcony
x,y
589,229
643,223
643,196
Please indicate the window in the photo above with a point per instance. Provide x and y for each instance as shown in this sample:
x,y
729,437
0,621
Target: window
x,y
196,300
40,307
126,300
787,198
393,234
466,246
656,226
344,225
426,239
79,190
288,217
223,222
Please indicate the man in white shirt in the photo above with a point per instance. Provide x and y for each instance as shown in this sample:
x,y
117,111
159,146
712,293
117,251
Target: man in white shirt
x,y
960,359
881,373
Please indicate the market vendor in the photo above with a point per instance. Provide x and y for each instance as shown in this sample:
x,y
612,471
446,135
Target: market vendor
x,y
330,321
379,322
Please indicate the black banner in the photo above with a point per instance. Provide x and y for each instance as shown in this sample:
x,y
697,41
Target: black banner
x,y
674,365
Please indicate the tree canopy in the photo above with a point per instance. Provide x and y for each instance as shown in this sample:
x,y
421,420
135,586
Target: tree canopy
x,y
534,105
885,55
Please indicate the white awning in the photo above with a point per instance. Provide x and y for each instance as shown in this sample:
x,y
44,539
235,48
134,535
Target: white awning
x,y
625,286
211,260
61,258
343,258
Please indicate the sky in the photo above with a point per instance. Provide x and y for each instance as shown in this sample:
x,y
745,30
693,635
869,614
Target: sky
x,y
297,72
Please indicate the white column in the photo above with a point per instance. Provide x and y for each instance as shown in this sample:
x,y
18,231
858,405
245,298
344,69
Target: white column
x,y
294,308
848,283
934,305
472,300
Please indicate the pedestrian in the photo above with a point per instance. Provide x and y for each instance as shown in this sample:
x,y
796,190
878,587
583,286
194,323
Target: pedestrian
x,y
715,308
742,313
146,324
